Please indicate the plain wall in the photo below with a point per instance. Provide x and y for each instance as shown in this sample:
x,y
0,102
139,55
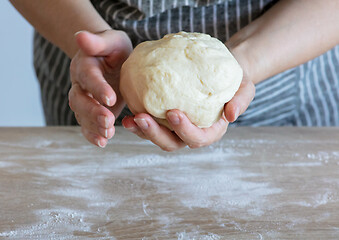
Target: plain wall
x,y
20,103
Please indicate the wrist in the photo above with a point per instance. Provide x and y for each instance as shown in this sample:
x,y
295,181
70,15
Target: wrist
x,y
246,47
239,51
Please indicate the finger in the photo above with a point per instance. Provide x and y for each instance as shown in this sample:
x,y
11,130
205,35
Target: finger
x,y
94,138
88,108
88,72
241,100
158,134
93,127
192,135
129,124
102,44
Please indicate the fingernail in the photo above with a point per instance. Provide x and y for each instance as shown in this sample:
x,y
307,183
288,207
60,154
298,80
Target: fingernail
x,y
141,123
107,100
103,121
79,32
100,144
131,129
103,131
173,117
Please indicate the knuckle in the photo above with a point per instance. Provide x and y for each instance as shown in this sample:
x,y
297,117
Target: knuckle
x,y
82,77
150,134
71,104
70,101
91,72
71,92
72,95
85,132
92,110
72,67
88,135
199,142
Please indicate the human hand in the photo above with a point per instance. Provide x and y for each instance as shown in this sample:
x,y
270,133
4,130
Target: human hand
x,y
186,133
95,71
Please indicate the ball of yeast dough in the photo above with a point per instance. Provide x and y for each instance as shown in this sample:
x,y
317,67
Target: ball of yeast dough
x,y
192,72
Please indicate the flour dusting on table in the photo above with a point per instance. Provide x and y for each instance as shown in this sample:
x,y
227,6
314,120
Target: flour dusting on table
x,y
237,187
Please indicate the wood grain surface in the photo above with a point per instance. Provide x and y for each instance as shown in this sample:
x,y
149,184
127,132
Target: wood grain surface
x,y
256,183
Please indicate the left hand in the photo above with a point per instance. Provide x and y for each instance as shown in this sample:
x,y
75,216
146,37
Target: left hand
x,y
95,72
185,132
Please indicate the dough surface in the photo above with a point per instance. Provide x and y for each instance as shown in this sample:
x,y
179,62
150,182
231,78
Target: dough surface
x,y
192,72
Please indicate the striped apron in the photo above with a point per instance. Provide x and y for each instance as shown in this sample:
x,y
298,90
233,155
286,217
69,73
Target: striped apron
x,y
307,95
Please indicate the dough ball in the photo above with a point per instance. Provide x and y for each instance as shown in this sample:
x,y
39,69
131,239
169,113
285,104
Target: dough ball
x,y
192,72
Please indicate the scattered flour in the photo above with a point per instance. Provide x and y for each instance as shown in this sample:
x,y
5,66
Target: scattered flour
x,y
100,188
322,199
197,236
52,223
223,188
302,164
7,164
324,156
318,200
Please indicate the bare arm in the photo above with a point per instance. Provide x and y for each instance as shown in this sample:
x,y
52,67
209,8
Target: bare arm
x,y
289,34
59,20
97,56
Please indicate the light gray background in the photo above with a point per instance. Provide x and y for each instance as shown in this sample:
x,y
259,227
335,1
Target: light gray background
x,y
20,103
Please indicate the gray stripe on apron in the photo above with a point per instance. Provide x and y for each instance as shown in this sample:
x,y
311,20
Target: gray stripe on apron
x,y
300,96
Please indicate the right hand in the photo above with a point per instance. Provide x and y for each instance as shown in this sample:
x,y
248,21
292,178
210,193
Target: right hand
x,y
95,71
184,131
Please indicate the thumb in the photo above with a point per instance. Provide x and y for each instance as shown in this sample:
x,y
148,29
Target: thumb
x,y
240,101
99,44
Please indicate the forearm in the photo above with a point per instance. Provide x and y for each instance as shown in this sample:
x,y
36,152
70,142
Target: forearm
x,y
58,20
292,32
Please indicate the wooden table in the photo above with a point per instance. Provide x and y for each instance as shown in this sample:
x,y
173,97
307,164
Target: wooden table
x,y
257,183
